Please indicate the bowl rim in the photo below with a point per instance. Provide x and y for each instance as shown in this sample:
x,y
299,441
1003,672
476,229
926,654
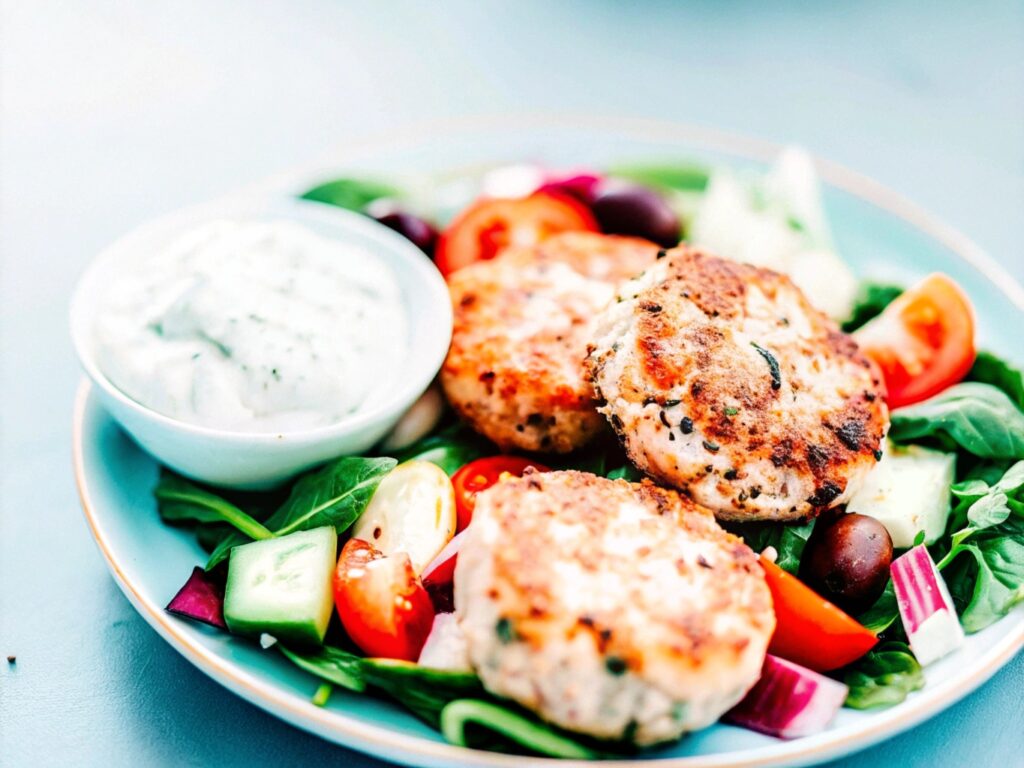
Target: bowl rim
x,y
410,384
379,740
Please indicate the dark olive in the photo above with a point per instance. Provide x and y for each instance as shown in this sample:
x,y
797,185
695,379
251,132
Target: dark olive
x,y
847,559
420,232
637,211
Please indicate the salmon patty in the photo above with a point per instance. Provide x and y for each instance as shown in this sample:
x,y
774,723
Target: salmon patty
x,y
620,610
723,381
515,369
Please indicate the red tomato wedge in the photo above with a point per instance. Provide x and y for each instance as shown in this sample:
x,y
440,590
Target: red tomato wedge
x,y
487,226
923,342
381,602
441,571
809,630
480,475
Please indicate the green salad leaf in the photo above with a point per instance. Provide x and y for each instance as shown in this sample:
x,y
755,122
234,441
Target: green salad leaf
x,y
446,699
884,613
179,500
883,677
494,719
625,472
788,540
333,495
984,563
989,369
679,177
350,194
339,667
422,690
871,300
980,504
450,449
988,583
979,418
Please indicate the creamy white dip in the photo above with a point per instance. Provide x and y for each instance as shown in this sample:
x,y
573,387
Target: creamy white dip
x,y
253,327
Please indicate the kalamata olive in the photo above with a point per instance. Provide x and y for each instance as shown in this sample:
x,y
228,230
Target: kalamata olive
x,y
847,560
638,211
420,232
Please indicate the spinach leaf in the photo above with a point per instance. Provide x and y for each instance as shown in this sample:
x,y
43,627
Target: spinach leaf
x,y
788,540
180,500
978,417
517,728
210,536
430,693
990,582
625,472
883,677
680,177
333,664
594,462
334,495
989,369
871,300
883,614
423,691
350,194
450,449
989,471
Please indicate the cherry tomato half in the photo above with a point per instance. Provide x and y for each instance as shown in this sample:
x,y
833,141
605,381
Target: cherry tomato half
x,y
487,226
923,342
809,630
480,475
381,602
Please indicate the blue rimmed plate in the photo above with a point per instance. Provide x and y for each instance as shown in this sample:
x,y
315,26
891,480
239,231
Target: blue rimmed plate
x,y
878,233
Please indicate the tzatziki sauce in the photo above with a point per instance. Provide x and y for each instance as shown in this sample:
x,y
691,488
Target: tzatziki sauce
x,y
253,326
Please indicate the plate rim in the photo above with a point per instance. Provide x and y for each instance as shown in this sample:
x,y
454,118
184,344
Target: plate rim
x,y
383,742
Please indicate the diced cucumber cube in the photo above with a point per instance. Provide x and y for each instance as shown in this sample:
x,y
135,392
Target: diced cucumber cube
x,y
908,492
282,586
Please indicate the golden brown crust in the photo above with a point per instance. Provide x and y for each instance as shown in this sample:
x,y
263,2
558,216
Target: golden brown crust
x,y
736,355
536,512
521,327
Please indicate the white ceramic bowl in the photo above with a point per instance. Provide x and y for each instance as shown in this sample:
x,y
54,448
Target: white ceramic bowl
x,y
261,460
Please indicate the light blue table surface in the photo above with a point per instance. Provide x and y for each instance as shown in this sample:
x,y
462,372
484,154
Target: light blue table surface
x,y
113,112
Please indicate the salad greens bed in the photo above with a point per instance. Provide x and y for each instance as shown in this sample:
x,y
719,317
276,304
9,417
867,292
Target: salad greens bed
x,y
980,555
335,495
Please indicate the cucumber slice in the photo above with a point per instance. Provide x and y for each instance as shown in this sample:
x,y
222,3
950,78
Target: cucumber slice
x,y
908,492
282,586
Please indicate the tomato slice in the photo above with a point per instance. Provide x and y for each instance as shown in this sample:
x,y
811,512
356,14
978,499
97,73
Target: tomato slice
x,y
487,226
923,342
809,630
381,602
480,475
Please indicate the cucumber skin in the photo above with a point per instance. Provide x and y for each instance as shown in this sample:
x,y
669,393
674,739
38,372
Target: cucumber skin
x,y
251,610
